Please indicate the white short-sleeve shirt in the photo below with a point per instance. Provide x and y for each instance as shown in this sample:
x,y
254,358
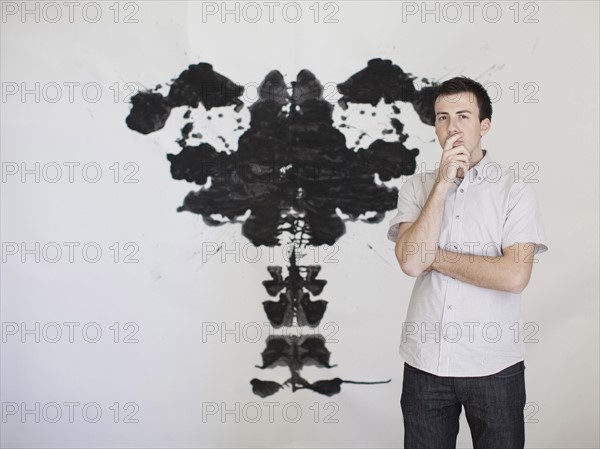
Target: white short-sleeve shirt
x,y
454,328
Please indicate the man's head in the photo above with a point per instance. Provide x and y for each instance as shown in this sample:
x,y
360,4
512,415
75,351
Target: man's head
x,y
461,84
462,105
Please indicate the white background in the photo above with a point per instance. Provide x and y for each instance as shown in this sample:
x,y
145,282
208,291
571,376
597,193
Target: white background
x,y
174,290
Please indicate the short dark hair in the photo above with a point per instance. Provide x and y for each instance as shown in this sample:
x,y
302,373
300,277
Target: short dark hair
x,y
462,84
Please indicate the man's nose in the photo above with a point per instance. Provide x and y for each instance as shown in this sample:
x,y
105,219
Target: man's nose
x,y
453,127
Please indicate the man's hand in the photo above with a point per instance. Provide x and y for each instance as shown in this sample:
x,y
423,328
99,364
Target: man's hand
x,y
453,158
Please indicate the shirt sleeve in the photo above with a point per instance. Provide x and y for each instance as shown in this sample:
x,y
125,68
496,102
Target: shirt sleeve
x,y
408,210
523,222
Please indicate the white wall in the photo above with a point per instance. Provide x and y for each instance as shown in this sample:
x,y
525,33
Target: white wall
x,y
170,372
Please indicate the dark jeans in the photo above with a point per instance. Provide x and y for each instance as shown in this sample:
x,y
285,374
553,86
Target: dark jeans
x,y
494,405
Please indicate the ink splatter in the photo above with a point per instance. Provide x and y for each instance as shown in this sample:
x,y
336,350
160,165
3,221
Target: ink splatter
x,y
295,174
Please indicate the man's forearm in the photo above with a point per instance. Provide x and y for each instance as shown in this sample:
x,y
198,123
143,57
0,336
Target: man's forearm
x,y
415,249
498,272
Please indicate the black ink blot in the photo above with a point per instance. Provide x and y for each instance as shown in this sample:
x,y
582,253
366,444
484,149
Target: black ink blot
x,y
295,302
198,84
294,173
291,160
296,352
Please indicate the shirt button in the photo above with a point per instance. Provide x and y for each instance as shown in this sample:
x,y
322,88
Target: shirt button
x,y
479,179
458,216
462,190
449,307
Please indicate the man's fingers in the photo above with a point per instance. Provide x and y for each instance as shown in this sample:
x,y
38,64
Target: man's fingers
x,y
460,156
451,140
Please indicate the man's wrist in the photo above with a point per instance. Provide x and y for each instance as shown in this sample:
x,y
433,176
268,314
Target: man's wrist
x,y
442,185
438,254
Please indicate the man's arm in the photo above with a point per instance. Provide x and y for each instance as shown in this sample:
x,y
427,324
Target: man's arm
x,y
510,272
416,242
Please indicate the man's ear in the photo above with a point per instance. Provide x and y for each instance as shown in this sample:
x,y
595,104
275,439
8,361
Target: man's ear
x,y
485,126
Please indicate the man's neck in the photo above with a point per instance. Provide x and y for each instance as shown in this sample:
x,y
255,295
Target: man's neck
x,y
472,164
478,158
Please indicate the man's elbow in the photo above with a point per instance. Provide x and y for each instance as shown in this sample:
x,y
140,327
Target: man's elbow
x,y
405,253
408,268
518,269
519,282
410,271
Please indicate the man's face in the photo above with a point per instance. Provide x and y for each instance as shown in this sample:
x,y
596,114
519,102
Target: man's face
x,y
460,113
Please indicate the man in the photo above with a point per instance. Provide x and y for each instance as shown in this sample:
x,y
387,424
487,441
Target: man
x,y
468,232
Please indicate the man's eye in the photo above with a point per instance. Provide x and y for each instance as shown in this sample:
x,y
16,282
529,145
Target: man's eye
x,y
464,116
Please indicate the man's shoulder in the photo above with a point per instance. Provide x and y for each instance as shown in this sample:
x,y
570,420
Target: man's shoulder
x,y
422,177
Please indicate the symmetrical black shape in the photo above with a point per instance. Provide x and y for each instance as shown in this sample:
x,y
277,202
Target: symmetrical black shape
x,y
295,302
295,174
292,162
296,352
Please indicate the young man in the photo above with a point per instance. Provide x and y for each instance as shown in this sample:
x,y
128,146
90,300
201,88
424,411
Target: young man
x,y
468,232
